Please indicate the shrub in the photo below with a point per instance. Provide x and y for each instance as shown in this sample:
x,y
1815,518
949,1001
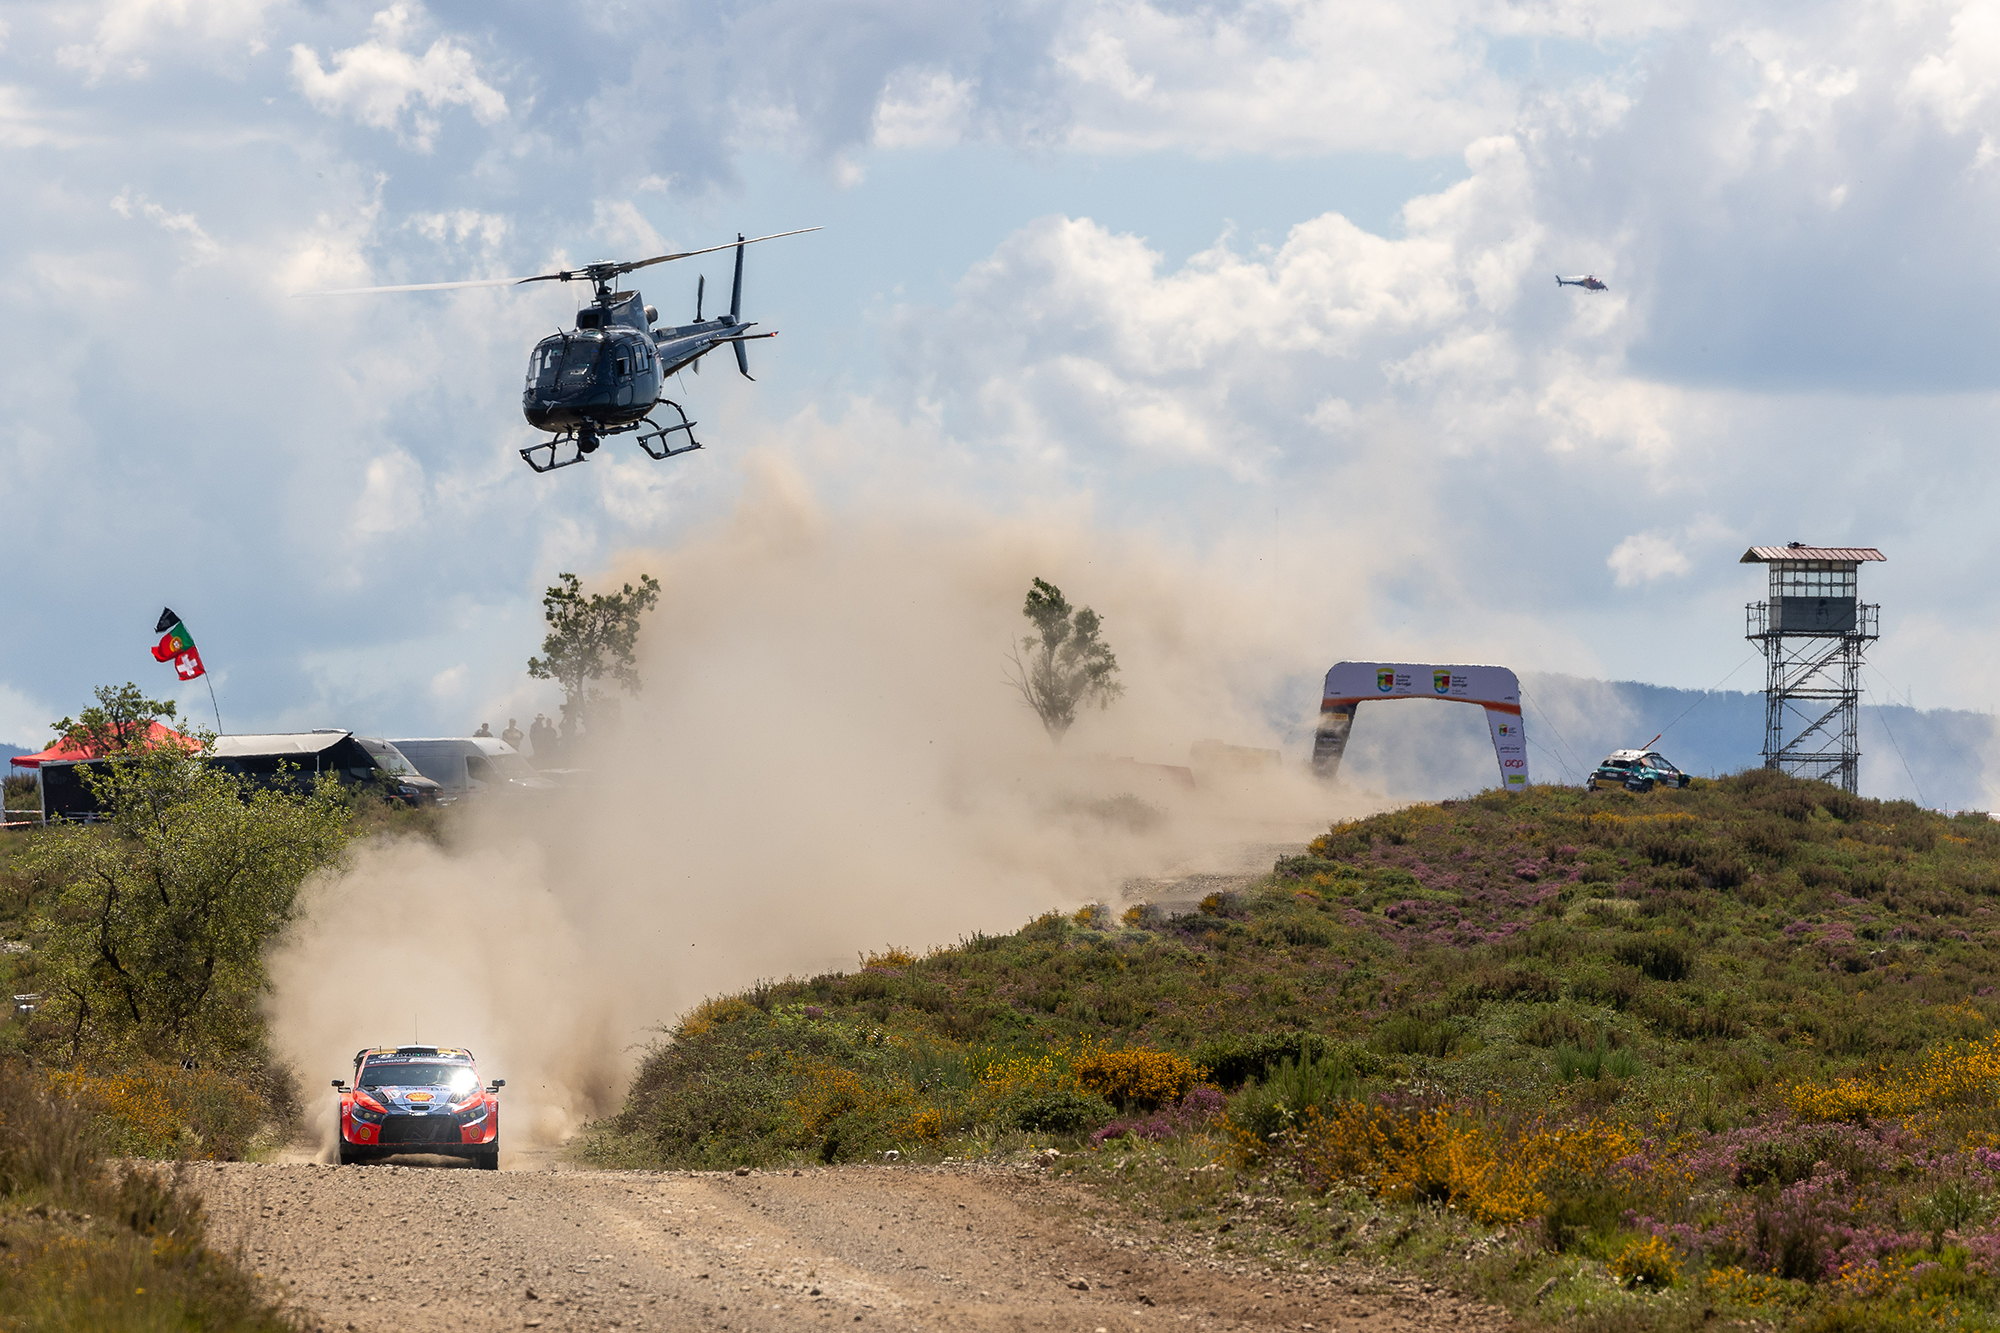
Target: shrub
x,y
1281,1100
152,1110
1646,1261
1060,1111
1659,958
1141,1078
1555,1027
1441,1156
1412,1034
1233,1061
1197,1109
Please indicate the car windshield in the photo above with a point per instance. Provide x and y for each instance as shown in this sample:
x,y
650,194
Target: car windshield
x,y
514,766
1618,763
1660,762
419,1074
388,758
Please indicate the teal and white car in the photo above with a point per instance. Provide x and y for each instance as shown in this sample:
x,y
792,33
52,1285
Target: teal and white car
x,y
1636,770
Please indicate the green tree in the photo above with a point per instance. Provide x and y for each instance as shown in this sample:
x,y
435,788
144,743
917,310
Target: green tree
x,y
591,639
151,932
1064,664
120,722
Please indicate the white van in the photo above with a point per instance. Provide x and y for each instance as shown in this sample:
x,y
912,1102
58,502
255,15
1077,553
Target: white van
x,y
466,764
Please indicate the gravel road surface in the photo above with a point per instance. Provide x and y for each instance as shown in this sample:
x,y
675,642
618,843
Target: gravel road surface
x,y
392,1247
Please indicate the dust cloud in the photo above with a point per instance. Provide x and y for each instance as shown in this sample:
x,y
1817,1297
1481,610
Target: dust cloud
x,y
826,759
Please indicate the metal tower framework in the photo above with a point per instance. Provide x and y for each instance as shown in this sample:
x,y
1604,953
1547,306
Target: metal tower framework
x,y
1813,632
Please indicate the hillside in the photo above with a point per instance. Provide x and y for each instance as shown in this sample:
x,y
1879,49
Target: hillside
x,y
1606,1057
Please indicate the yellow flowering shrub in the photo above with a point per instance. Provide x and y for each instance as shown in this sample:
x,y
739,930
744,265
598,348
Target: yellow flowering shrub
x,y
1444,1156
1646,1261
1137,1077
709,1013
893,956
1052,1069
1956,1074
164,1111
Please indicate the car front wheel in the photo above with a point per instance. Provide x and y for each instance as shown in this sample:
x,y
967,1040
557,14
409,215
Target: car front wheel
x,y
489,1160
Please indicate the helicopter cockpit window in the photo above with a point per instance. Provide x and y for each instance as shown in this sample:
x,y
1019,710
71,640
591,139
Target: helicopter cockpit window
x,y
581,357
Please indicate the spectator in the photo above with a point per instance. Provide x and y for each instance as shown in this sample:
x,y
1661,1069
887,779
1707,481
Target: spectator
x,y
485,732
512,735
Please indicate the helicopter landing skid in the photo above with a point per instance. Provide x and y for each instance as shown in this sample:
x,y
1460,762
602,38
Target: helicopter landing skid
x,y
652,438
550,448
657,434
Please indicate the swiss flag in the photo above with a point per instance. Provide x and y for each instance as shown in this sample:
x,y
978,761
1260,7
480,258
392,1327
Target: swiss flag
x,y
188,664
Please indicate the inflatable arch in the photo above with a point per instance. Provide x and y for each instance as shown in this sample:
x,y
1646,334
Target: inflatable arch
x,y
1493,688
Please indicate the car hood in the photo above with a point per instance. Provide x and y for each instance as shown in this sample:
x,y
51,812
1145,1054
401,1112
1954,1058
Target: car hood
x,y
413,1100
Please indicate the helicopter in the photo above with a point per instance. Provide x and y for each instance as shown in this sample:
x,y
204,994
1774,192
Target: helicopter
x,y
1587,281
604,377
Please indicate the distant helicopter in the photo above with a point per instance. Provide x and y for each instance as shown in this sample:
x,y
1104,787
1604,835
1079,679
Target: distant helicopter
x,y
1587,281
604,377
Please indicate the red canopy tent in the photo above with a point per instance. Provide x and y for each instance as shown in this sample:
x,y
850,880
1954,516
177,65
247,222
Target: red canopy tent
x,y
159,735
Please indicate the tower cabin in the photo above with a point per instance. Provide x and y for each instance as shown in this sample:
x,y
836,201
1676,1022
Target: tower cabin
x,y
1814,589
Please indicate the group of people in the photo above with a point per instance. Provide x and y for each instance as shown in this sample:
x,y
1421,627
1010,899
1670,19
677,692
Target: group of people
x,y
545,740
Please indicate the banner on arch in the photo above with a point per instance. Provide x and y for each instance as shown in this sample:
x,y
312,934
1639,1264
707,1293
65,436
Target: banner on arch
x,y
1493,688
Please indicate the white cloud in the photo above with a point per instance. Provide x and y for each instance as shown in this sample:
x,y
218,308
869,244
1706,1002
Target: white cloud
x,y
377,82
1646,556
130,204
449,685
392,496
923,109
128,34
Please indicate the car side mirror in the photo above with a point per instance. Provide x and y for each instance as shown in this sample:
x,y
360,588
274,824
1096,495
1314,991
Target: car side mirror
x,y
496,1085
340,1083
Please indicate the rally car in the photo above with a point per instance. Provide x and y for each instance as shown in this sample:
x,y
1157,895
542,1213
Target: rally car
x,y
419,1099
1636,770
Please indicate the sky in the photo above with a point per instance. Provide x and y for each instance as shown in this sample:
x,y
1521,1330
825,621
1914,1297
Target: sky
x,y
1263,288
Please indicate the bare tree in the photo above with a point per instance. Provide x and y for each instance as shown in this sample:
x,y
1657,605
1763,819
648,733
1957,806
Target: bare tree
x,y
1064,664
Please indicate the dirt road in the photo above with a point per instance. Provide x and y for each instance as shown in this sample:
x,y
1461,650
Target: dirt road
x,y
402,1247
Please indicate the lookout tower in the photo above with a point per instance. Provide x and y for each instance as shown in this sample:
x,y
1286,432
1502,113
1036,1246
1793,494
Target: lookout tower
x,y
1812,632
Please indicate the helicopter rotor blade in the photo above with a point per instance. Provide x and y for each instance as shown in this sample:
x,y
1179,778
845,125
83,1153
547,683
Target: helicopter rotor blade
x,y
430,286
566,275
689,254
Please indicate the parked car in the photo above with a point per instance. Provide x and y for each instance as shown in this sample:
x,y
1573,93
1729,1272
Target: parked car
x,y
464,765
1636,770
355,760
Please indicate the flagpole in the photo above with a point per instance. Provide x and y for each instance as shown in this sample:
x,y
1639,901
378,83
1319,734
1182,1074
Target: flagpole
x,y
211,699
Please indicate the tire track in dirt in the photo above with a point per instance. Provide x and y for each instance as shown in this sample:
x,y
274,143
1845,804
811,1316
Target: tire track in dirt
x,y
391,1247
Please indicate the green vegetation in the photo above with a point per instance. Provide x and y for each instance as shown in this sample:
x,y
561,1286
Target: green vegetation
x,y
120,722
1067,663
150,933
591,639
1615,1060
96,1248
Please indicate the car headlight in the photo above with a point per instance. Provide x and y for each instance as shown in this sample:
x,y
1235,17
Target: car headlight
x,y
471,1101
365,1116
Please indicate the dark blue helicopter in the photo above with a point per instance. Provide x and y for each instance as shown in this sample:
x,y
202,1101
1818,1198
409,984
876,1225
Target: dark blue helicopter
x,y
604,377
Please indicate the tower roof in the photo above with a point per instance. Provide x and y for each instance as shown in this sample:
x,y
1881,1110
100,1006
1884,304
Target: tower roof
x,y
1763,555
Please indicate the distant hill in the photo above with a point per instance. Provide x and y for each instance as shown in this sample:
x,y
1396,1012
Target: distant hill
x,y
9,751
1942,758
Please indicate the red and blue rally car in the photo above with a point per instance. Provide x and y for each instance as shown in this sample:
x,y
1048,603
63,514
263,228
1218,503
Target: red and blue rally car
x,y
419,1099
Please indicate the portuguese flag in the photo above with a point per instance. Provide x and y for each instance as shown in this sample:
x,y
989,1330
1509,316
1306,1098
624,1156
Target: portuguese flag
x,y
176,645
